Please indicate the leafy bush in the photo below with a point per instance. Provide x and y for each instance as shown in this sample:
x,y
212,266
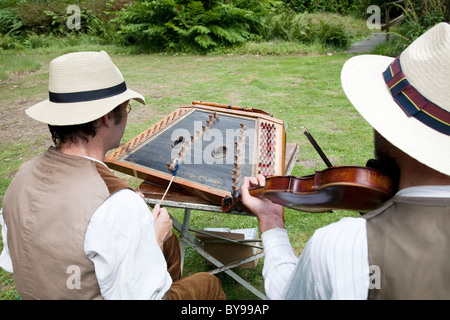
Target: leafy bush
x,y
50,16
31,23
9,21
174,25
336,6
190,25
430,12
327,29
419,17
39,16
200,26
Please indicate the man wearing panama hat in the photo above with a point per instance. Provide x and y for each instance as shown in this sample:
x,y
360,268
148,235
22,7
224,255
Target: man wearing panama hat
x,y
400,250
70,228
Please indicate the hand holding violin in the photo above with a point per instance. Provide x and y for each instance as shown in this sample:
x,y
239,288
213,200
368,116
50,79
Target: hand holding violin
x,y
353,188
269,214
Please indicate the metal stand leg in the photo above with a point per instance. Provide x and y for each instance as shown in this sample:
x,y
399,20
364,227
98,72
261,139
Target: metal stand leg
x,y
187,238
184,230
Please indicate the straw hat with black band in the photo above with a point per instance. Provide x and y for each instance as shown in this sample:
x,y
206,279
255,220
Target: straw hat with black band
x,y
83,86
407,99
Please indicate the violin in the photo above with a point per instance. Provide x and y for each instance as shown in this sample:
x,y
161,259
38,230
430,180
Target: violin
x,y
352,188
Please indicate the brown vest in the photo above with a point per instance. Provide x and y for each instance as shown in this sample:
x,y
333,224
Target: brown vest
x,y
47,208
409,248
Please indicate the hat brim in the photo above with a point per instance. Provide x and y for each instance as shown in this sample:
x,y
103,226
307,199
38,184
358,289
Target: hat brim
x,y
363,83
65,114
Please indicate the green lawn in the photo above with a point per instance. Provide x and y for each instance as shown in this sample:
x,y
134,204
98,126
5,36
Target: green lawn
x,y
301,90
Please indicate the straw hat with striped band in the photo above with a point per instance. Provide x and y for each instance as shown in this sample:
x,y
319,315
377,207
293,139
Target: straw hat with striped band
x,y
407,99
83,86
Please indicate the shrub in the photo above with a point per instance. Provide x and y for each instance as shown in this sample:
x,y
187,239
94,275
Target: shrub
x,y
40,16
191,25
419,17
50,16
326,28
431,12
335,6
9,21
197,26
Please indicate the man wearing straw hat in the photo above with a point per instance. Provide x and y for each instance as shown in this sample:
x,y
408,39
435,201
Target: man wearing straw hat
x,y
402,249
73,230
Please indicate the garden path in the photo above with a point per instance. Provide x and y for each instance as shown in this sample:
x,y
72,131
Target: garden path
x,y
367,45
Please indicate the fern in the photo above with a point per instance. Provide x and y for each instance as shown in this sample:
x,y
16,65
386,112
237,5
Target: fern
x,y
205,41
9,21
195,8
190,25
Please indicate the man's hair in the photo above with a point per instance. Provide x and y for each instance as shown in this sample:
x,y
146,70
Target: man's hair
x,y
84,131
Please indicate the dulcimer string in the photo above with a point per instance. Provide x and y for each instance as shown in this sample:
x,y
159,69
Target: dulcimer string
x,y
188,144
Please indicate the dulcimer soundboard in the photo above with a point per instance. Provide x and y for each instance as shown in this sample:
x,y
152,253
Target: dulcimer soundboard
x,y
207,148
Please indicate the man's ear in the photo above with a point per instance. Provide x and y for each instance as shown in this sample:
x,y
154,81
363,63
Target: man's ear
x,y
107,119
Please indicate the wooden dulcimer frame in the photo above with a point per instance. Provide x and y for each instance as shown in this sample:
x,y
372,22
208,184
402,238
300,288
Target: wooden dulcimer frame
x,y
257,145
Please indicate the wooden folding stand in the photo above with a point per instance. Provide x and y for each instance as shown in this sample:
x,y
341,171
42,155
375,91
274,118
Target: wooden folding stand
x,y
197,156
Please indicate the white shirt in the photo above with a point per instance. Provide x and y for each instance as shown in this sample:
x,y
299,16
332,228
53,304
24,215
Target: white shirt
x,y
334,263
120,241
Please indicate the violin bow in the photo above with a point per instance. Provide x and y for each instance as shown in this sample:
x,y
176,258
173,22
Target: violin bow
x,y
317,147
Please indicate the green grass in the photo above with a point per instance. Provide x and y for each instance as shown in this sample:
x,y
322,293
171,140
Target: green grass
x,y
302,90
13,66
